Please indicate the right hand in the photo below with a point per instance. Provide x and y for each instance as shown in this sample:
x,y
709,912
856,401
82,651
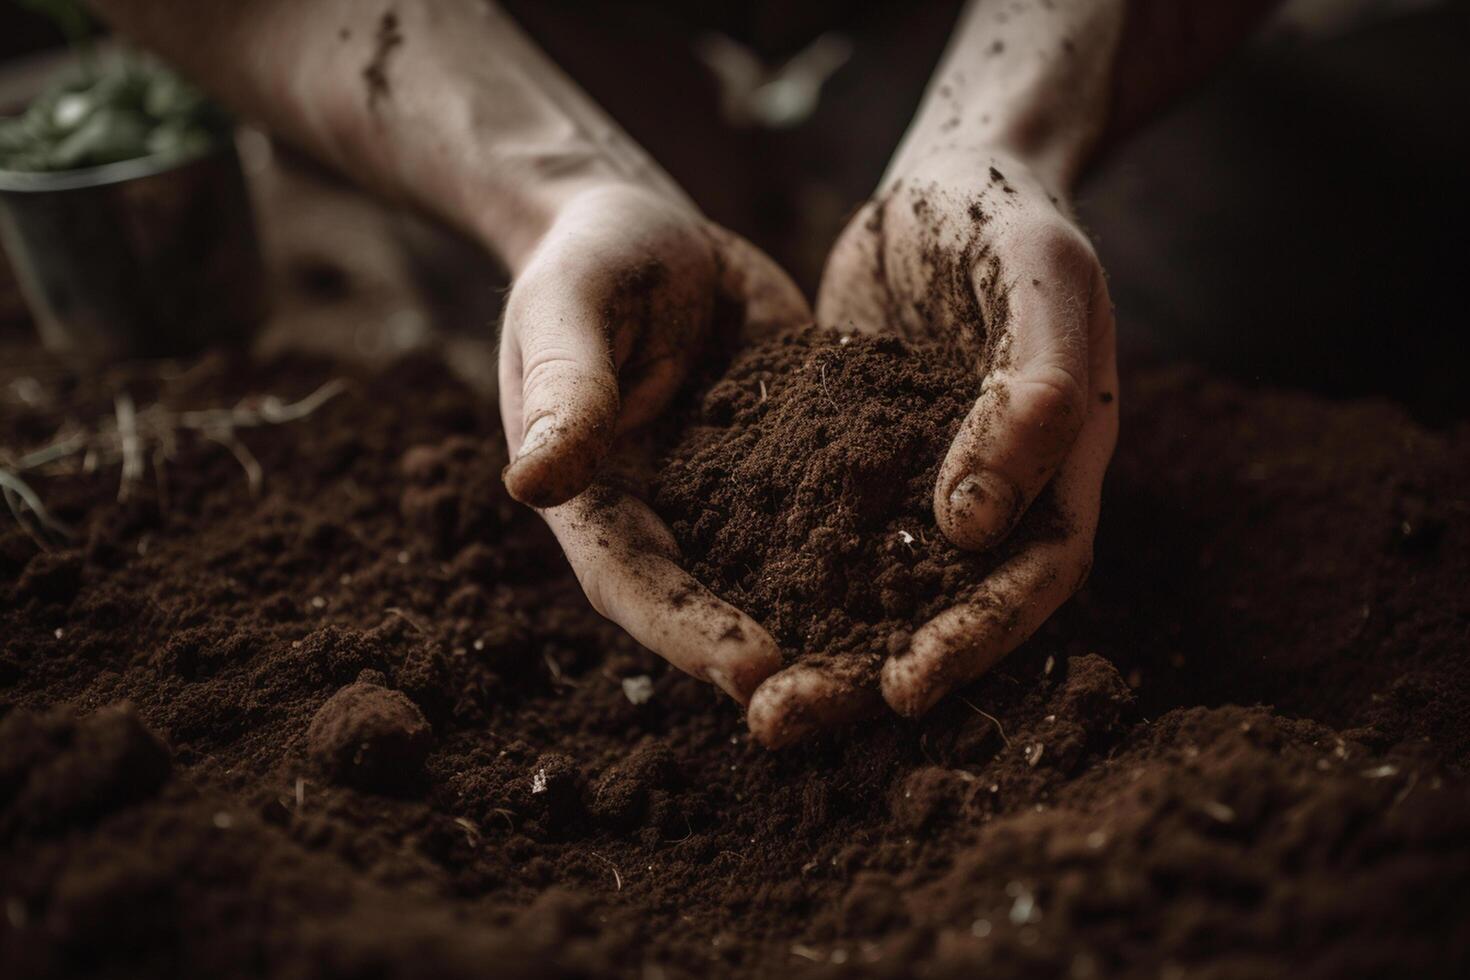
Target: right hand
x,y
969,248
601,326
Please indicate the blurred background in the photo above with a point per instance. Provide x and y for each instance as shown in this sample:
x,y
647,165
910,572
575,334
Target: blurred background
x,y
1299,220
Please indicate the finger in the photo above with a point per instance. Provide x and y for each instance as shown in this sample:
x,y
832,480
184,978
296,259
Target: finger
x,y
560,390
751,298
854,292
1033,401
965,641
626,560
772,302
802,700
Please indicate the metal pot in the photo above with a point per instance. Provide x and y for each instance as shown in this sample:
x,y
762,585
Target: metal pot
x,y
141,258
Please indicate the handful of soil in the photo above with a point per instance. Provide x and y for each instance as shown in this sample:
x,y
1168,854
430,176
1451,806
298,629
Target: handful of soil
x,y
801,491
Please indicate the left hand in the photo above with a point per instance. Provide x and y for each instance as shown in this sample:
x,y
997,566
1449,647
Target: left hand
x,y
618,297
973,249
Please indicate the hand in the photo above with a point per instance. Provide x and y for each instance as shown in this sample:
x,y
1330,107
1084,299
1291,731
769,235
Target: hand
x,y
971,250
601,325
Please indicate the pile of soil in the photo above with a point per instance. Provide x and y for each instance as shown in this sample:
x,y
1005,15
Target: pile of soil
x,y
801,492
362,723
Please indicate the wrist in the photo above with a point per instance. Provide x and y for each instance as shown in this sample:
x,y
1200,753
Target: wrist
x,y
473,124
991,171
512,217
1034,86
1005,144
513,225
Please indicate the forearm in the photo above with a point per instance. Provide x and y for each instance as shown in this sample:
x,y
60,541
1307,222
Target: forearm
x,y
1032,82
442,103
1050,80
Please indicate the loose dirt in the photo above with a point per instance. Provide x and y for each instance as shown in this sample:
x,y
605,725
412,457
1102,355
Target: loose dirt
x,y
801,490
1239,751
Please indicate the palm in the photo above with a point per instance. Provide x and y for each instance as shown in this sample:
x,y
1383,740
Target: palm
x,y
974,253
600,330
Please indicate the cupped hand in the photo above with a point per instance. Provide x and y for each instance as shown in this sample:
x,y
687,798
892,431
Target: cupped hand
x,y
975,251
601,326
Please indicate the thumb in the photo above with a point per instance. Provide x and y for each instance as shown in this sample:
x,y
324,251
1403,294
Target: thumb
x,y
772,302
559,392
1030,408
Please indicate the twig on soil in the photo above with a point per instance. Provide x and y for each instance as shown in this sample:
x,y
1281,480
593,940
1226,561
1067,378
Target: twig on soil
x,y
401,614
129,443
990,718
60,449
739,858
617,875
269,411
689,827
1403,794
254,475
13,502
18,492
471,832
131,436
557,677
828,391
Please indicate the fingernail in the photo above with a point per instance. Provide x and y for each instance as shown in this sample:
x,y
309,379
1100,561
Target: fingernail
x,y
909,693
722,680
537,435
985,501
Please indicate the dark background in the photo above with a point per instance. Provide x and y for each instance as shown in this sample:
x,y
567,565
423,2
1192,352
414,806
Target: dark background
x,y
1299,220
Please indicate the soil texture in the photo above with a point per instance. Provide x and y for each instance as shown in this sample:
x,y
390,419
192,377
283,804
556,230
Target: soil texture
x,y
361,723
801,492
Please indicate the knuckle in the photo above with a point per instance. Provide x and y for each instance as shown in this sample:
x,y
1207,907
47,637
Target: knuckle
x,y
1061,245
1052,395
543,364
560,375
592,587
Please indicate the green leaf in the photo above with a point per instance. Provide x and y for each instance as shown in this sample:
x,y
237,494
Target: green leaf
x,y
138,107
109,135
15,136
169,97
71,110
175,142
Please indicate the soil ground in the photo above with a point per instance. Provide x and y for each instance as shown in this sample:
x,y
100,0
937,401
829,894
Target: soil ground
x,y
1240,751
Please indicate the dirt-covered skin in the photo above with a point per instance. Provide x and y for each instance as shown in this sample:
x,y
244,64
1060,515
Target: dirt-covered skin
x,y
623,295
801,492
971,249
1094,807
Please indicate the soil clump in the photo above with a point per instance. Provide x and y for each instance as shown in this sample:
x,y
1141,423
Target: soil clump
x,y
370,736
801,491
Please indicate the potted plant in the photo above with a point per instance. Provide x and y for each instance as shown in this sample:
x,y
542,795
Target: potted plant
x,y
124,211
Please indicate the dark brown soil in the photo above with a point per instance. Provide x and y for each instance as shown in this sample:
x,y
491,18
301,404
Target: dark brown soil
x,y
1098,806
801,492
370,736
